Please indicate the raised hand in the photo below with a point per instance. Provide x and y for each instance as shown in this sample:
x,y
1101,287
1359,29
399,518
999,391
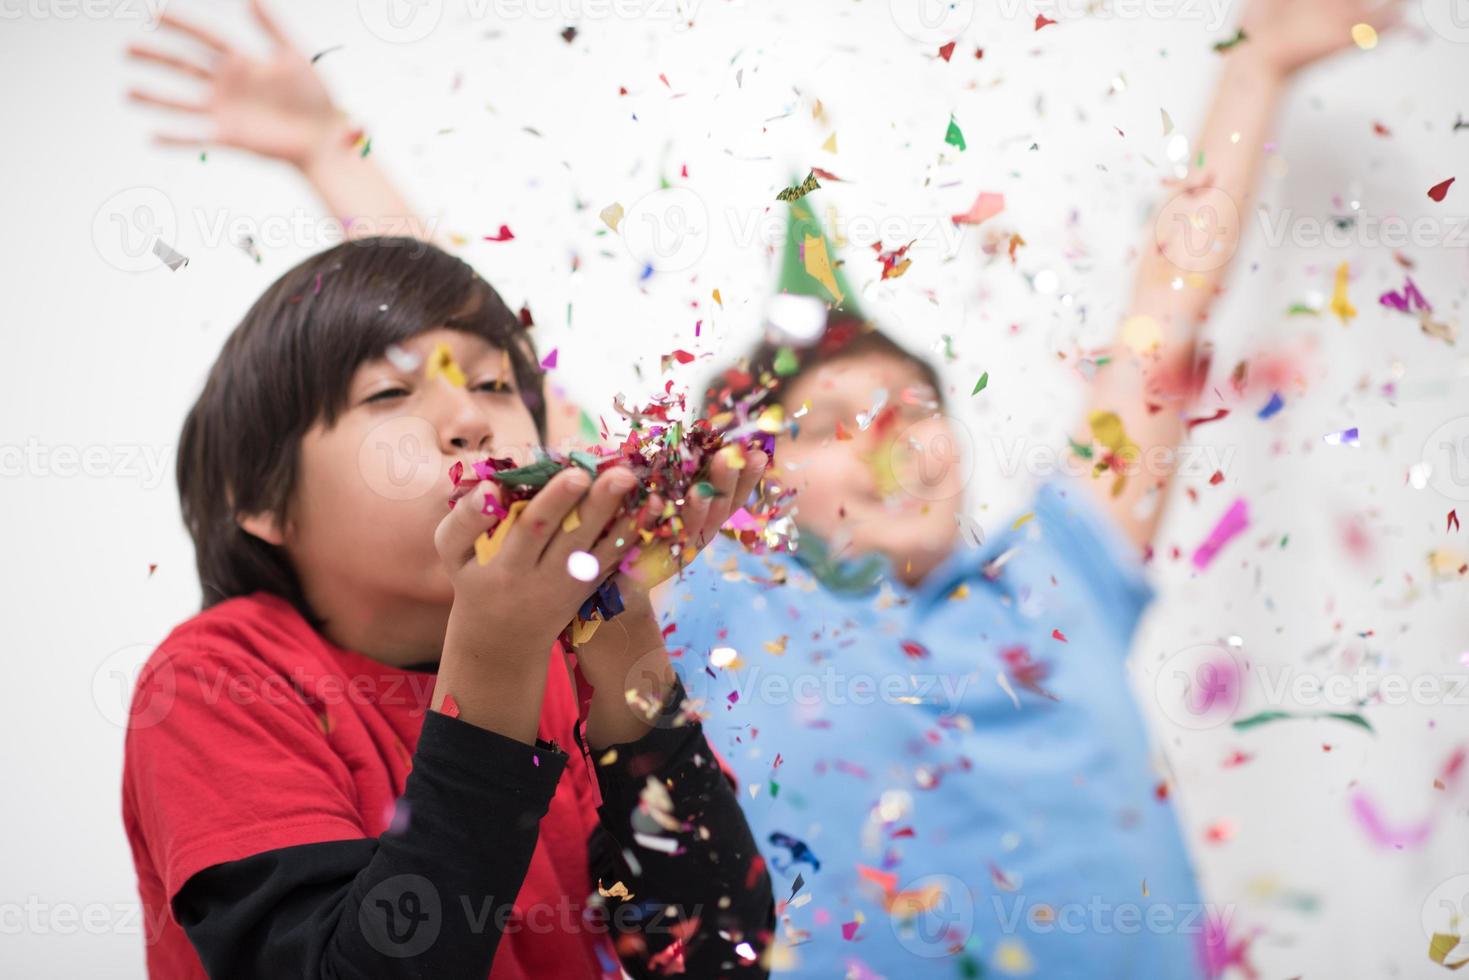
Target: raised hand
x,y
276,107
1288,35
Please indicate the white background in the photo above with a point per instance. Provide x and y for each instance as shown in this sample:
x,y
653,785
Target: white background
x,y
103,360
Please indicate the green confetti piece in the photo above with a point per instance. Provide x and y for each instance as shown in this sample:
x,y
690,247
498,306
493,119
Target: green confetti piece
x,y
1301,309
537,474
984,380
203,156
367,147
774,789
1238,38
954,137
587,461
1266,717
786,362
589,431
1085,452
705,489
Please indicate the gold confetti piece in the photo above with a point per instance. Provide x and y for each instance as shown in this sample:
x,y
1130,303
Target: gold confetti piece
x,y
736,457
618,890
608,757
1022,519
572,521
772,420
441,362
777,647
961,591
718,300
1145,888
1340,305
583,630
612,215
1012,957
1442,947
1108,431
1365,36
1142,333
818,266
830,146
487,545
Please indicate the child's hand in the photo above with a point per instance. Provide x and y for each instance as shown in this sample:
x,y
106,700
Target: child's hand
x,y
1288,35
277,108
702,517
524,596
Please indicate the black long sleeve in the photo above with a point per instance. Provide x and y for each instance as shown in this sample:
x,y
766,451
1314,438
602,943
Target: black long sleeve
x,y
413,904
408,904
712,893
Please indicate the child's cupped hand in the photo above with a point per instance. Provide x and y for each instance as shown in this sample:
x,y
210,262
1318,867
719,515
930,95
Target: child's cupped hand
x,y
525,594
734,474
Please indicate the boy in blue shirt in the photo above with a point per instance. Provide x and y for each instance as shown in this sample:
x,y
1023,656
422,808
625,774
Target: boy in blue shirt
x,y
943,760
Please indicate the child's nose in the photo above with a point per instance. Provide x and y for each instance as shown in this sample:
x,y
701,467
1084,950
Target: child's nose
x,y
465,428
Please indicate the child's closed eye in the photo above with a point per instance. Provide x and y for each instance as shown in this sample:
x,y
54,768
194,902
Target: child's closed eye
x,y
494,386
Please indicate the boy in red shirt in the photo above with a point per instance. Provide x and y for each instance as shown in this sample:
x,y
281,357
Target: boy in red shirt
x,y
354,761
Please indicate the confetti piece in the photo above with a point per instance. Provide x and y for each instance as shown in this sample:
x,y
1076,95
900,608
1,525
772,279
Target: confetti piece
x,y
1441,949
1058,635
1021,520
1439,191
830,146
799,852
914,649
1453,521
1364,36
818,266
611,215
326,51
618,890
717,299
798,191
1275,404
449,706
583,566
1340,305
441,363
1233,523
786,362
947,51
488,544
1266,717
1346,437
985,206
168,256
549,361
1239,38
1410,300
980,385
503,235
954,137
1041,20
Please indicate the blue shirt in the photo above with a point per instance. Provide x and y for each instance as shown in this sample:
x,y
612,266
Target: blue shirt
x,y
950,779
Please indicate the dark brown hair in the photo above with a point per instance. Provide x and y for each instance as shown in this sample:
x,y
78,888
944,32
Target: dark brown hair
x,y
844,337
289,364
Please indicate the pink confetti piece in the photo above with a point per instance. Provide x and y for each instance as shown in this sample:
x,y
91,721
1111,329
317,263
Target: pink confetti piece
x,y
549,361
1234,521
503,235
985,206
849,930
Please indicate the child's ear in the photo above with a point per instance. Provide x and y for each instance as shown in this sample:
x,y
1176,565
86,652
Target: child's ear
x,y
263,526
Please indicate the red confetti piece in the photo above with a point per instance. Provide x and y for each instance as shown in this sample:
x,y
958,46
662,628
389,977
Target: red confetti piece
x,y
1058,635
1217,478
1439,191
1453,521
1222,413
450,707
916,651
947,51
1380,129
1041,20
503,235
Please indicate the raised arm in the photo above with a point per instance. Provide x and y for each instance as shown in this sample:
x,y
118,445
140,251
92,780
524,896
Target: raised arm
x,y
279,108
1149,379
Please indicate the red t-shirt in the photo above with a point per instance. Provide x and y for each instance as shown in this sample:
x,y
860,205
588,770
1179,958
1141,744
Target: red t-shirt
x,y
250,731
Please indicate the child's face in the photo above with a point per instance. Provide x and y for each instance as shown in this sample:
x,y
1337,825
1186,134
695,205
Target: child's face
x,y
893,488
372,489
